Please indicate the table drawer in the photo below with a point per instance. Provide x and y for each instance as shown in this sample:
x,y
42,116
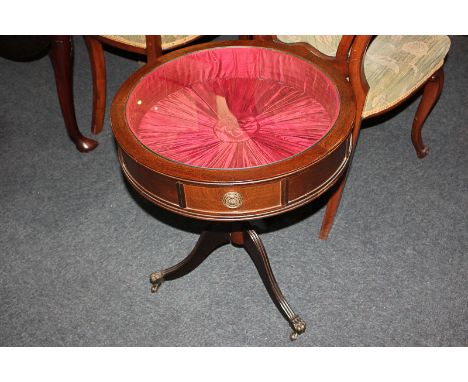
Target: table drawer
x,y
233,199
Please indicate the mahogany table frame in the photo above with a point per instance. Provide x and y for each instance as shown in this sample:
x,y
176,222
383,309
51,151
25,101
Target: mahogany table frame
x,y
253,192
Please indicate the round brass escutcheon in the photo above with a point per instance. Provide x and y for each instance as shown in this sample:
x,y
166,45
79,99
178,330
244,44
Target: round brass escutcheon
x,y
232,199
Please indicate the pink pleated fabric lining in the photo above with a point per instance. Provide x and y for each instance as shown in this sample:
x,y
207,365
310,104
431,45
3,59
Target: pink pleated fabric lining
x,y
233,107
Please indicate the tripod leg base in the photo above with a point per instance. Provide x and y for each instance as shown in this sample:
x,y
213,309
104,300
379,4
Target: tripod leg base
x,y
250,241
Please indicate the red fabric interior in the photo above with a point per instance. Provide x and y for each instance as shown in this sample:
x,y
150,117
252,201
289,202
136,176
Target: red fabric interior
x,y
232,107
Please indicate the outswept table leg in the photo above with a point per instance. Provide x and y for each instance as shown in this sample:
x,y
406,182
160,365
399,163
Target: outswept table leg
x,y
254,247
207,243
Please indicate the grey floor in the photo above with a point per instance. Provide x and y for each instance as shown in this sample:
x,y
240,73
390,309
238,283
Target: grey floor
x,y
77,244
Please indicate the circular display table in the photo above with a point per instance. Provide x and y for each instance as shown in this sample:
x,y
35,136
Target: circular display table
x,y
230,132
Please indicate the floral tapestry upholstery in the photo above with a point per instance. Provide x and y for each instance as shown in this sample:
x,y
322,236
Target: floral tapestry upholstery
x,y
326,44
139,41
395,66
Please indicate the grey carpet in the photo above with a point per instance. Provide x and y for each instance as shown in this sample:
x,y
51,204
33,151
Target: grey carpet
x,y
77,245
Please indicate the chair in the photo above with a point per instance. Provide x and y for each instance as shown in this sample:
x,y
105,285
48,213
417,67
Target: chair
x,y
150,46
392,69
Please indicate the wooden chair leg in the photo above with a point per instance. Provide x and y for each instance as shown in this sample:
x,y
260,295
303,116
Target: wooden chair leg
x,y
153,48
61,56
335,198
98,70
337,191
332,207
431,93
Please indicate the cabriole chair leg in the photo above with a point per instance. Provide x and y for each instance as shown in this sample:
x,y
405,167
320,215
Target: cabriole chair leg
x,y
61,56
431,93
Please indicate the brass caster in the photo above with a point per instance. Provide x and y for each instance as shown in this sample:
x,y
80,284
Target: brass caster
x,y
156,278
299,327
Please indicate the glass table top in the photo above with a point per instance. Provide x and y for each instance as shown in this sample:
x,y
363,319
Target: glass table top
x,y
232,107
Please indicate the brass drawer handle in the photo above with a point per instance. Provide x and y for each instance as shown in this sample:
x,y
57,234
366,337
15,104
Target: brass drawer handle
x,y
232,199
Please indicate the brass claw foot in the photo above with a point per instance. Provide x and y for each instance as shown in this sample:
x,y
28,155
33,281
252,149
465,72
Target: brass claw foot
x,y
299,327
156,278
